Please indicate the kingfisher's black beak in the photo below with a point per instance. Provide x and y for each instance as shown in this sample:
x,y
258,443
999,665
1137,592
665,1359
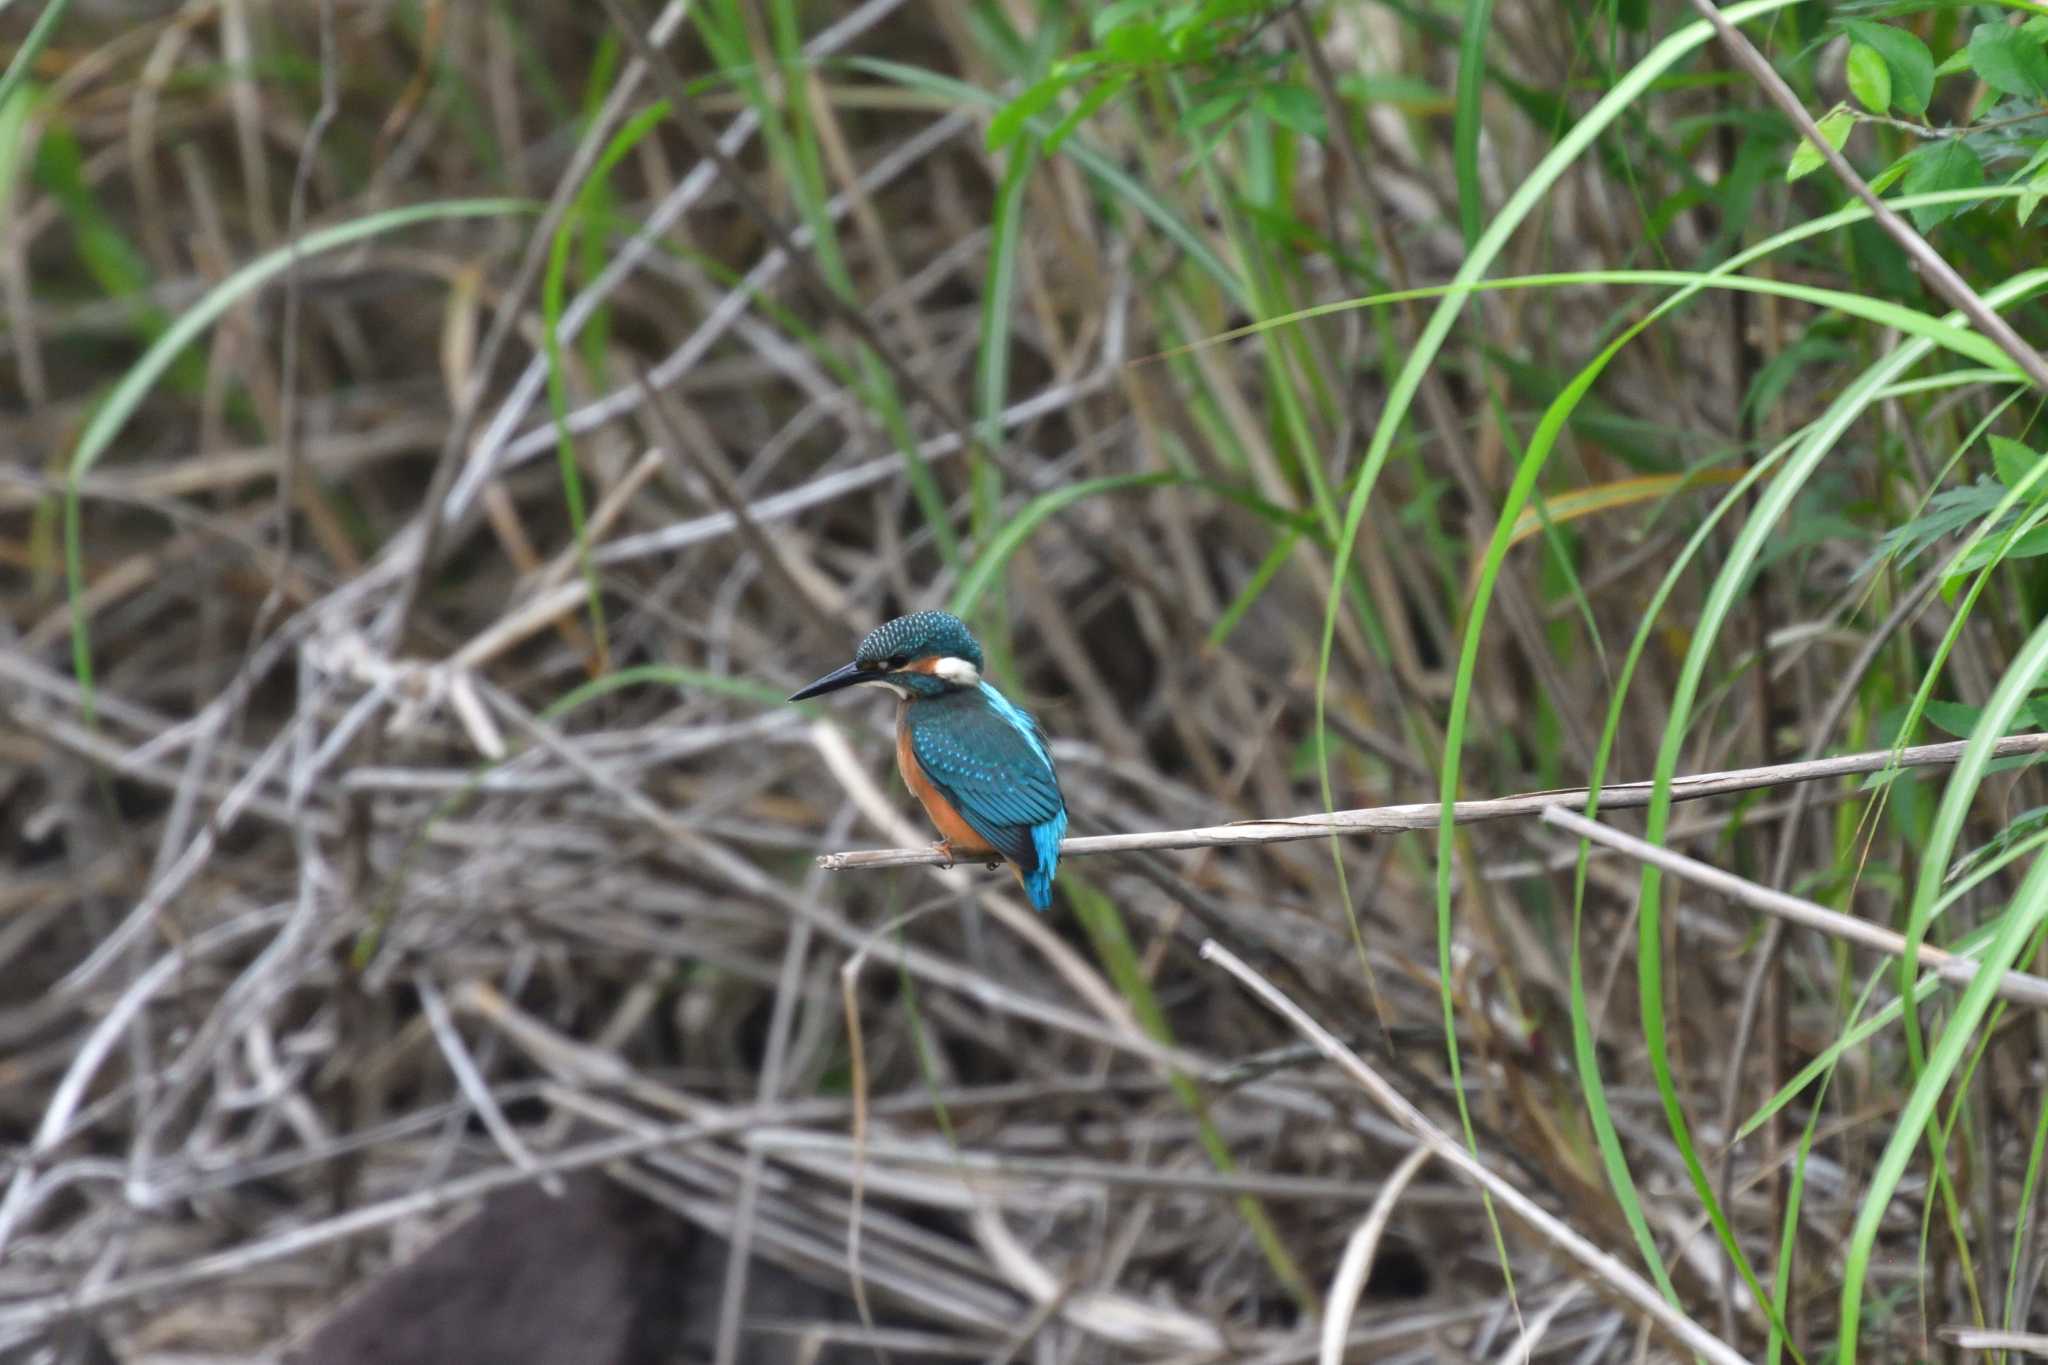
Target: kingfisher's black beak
x,y
833,681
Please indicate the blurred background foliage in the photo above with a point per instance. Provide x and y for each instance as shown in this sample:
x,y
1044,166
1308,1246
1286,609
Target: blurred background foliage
x,y
443,432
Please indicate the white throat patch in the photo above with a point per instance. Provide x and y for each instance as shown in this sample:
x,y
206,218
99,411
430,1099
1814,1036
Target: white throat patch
x,y
959,672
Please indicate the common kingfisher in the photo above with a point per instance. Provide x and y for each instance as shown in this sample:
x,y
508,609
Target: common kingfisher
x,y
974,759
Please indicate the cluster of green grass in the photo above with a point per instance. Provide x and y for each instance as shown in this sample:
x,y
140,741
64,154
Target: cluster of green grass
x,y
1884,344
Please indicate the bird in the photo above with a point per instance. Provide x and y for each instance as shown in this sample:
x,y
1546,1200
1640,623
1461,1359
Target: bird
x,y
975,760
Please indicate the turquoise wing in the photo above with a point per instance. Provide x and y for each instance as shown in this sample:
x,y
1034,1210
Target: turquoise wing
x,y
988,758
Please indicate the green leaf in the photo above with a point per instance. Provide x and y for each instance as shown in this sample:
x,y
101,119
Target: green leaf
x,y
2031,197
2010,60
1114,16
1992,550
2012,460
1807,158
1011,118
1947,165
1213,110
1954,717
2033,178
1102,93
1911,63
1890,175
1870,79
1294,107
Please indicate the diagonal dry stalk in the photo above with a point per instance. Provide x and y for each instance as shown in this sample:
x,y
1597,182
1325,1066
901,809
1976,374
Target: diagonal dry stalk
x,y
2018,987
1940,275
1605,1270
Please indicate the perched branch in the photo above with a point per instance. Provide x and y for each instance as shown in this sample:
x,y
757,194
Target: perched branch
x,y
1426,814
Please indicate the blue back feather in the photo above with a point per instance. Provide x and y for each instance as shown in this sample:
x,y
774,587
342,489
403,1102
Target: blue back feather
x,y
987,756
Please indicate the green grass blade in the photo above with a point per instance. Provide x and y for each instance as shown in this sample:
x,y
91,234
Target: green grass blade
x,y
38,38
1728,585
982,573
1465,131
2026,914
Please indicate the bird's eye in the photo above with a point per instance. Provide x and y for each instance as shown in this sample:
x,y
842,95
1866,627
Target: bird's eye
x,y
897,661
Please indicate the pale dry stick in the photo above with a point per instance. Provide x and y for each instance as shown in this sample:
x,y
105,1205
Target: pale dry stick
x,y
1426,815
1984,1339
1605,1269
796,952
797,579
857,1065
89,745
155,483
238,60
472,1083
2019,987
181,871
1939,274
1355,1266
1120,1319
830,487
55,1126
535,615
1524,1349
1022,1181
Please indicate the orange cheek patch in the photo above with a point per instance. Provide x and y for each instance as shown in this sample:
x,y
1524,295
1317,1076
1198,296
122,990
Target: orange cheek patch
x,y
927,666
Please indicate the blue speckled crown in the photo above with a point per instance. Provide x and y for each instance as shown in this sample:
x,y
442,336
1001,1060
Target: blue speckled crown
x,y
920,635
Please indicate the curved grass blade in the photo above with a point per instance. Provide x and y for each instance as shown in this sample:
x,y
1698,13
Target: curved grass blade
x,y
1728,584
2025,916
121,402
31,47
1401,394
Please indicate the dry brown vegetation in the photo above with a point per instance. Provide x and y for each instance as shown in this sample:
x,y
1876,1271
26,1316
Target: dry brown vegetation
x,y
391,819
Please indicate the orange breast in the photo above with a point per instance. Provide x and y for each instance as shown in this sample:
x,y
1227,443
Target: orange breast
x,y
952,828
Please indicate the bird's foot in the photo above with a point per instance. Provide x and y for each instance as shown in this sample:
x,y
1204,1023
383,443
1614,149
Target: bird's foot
x,y
944,850
995,864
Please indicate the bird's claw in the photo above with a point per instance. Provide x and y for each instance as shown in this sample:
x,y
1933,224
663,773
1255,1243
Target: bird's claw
x,y
945,851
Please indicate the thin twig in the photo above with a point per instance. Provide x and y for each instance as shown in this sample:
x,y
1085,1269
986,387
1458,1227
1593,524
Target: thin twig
x,y
1940,275
1426,814
2018,987
1605,1269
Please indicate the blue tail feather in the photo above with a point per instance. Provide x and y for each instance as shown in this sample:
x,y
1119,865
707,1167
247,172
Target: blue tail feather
x,y
1045,839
